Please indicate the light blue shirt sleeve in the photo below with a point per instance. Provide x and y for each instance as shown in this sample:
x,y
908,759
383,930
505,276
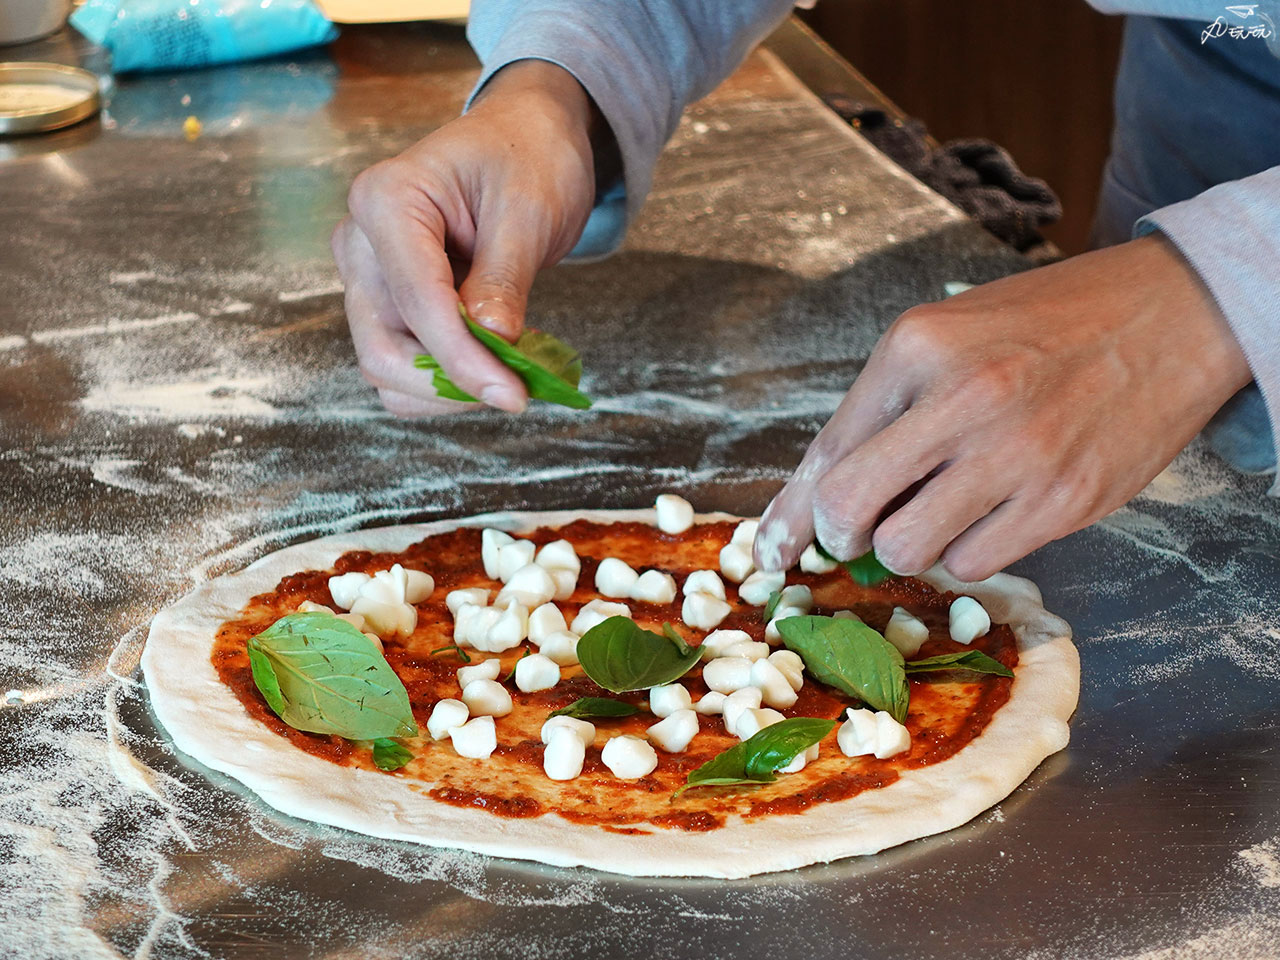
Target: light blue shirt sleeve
x,y
1230,234
642,63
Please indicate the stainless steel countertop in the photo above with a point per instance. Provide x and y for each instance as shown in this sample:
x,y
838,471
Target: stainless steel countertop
x,y
179,397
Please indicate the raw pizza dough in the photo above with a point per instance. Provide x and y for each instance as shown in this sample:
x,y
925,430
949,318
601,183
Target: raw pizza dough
x,y
209,723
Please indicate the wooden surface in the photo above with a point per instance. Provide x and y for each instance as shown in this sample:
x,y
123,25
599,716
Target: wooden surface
x,y
1034,77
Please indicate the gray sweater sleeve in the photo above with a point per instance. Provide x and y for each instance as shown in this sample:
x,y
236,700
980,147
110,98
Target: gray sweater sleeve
x,y
642,63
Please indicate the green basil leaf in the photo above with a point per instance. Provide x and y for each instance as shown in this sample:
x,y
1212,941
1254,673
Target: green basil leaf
x,y
853,658
549,368
974,660
553,355
771,605
756,760
586,707
866,570
620,656
322,675
453,648
389,755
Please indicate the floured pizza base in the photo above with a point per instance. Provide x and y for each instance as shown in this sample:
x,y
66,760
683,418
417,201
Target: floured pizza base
x,y
506,806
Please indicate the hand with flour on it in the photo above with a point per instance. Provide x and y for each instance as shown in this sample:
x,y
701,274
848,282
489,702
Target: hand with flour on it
x,y
1012,415
490,199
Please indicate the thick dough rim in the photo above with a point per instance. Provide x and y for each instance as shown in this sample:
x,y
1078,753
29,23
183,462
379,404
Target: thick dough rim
x,y
208,722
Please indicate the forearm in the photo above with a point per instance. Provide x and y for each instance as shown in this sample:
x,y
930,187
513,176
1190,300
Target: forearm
x,y
641,64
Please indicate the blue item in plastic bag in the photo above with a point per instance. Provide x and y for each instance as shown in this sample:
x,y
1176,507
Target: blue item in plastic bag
x,y
177,34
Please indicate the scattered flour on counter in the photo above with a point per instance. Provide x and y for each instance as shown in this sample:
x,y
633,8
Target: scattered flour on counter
x,y
1262,861
213,394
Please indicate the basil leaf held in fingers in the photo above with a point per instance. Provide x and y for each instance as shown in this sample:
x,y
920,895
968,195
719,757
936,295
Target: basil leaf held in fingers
x,y
866,570
974,660
588,707
390,755
322,675
757,759
549,367
619,655
853,658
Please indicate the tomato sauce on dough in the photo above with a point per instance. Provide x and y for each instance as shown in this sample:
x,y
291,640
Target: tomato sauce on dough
x,y
947,711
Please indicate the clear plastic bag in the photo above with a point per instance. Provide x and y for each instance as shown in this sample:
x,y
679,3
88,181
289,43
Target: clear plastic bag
x,y
178,34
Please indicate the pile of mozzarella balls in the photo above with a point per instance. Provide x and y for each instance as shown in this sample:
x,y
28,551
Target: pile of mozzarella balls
x,y
749,682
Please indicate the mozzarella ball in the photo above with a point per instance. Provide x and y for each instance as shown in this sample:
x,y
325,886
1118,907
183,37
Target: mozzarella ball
x,y
906,632
745,532
561,561
760,586
507,631
486,698
306,606
790,665
866,732
491,541
702,611
797,595
563,756
483,670
418,586
561,648
472,624
387,619
748,698
969,620
748,650
582,729
536,672
675,732
446,715
566,582
846,615
710,704
704,581
775,689
735,561
811,561
476,596
476,738
614,578
771,634
715,644
654,586
531,586
544,621
514,556
674,514
386,586
597,612
559,555
727,674
669,698
629,758
753,720
802,758
345,588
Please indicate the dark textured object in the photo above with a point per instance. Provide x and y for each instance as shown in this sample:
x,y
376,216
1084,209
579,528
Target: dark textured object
x,y
978,176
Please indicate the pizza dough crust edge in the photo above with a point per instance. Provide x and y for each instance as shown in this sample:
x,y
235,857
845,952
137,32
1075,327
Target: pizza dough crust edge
x,y
208,723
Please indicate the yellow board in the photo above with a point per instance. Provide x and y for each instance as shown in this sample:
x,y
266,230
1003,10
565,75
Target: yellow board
x,y
393,11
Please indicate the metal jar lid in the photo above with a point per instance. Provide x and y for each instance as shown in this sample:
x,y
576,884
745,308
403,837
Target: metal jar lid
x,y
45,96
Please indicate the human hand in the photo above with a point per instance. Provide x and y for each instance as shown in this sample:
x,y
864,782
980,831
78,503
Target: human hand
x,y
491,197
991,423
